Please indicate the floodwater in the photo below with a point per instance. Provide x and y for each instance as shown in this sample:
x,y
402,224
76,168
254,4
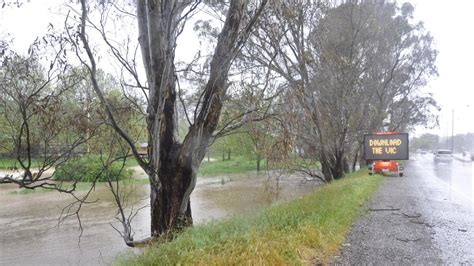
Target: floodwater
x,y
29,233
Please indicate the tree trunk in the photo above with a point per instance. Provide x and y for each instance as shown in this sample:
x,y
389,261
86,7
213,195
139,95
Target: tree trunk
x,y
354,162
325,167
337,168
332,167
346,165
258,164
173,164
228,154
166,203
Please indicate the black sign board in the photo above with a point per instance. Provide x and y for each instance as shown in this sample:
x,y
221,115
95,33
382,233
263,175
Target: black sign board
x,y
393,146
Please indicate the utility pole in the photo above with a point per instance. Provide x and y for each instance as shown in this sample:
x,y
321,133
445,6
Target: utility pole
x,y
452,132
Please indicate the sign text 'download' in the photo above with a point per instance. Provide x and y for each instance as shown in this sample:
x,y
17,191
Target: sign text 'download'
x,y
393,146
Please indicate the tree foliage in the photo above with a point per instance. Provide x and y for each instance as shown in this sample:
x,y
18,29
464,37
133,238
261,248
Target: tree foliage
x,y
350,69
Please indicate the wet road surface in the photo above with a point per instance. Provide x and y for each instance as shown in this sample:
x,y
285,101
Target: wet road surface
x,y
425,217
29,236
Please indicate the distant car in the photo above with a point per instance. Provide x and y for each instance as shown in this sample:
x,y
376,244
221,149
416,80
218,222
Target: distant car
x,y
423,152
443,156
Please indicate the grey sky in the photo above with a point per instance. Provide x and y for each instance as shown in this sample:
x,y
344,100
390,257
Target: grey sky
x,y
451,22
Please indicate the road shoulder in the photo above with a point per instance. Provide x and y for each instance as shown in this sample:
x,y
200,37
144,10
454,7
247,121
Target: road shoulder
x,y
392,229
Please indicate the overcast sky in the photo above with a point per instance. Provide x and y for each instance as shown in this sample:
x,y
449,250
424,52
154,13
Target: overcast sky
x,y
450,22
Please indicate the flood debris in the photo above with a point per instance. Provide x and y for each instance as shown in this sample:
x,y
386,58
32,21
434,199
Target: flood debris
x,y
422,223
415,215
406,240
383,209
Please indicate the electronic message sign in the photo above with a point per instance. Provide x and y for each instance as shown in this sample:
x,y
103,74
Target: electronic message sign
x,y
386,146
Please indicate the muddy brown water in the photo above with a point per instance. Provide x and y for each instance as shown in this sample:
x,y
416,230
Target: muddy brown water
x,y
29,234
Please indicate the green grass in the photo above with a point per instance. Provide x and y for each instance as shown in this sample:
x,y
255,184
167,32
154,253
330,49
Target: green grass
x,y
218,167
303,231
234,166
130,162
7,163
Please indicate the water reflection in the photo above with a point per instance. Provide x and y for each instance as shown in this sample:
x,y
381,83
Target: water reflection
x,y
28,220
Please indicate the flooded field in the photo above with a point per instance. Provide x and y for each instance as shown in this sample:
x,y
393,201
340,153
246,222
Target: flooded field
x,y
29,233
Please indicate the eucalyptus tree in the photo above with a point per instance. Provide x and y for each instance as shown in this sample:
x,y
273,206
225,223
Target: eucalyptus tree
x,y
350,69
172,165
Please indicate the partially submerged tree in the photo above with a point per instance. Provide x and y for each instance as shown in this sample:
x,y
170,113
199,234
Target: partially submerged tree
x,y
172,165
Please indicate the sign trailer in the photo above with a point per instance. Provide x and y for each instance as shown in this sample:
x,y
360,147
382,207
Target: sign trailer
x,y
383,147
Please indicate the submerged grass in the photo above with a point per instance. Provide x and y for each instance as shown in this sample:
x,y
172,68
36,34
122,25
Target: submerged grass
x,y
306,230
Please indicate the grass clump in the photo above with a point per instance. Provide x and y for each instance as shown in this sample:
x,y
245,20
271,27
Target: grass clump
x,y
88,169
301,231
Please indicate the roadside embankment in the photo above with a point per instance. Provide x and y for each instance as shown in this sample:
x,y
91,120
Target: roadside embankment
x,y
305,230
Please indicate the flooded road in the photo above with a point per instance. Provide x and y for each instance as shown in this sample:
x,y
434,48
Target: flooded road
x,y
28,221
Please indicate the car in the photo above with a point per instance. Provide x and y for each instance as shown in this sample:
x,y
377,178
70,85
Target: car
x,y
423,152
443,156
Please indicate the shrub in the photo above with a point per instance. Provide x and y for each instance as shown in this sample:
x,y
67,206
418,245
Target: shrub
x,y
88,169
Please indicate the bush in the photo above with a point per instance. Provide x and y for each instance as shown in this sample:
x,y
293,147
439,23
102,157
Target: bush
x,y
88,169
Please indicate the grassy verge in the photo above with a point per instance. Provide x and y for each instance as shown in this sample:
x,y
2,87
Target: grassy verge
x,y
234,166
218,167
301,231
8,163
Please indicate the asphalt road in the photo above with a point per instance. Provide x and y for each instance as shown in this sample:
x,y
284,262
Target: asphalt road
x,y
425,217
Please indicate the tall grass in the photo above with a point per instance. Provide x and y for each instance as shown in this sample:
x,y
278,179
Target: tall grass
x,y
306,230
